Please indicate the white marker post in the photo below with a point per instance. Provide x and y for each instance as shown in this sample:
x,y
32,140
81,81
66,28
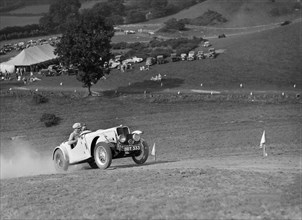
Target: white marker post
x,y
153,152
262,144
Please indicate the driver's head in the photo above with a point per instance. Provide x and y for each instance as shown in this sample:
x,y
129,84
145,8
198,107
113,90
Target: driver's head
x,y
77,126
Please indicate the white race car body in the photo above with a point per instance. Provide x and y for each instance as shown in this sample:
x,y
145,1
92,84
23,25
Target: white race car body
x,y
120,142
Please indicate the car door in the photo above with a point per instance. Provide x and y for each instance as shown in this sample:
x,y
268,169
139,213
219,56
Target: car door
x,y
80,152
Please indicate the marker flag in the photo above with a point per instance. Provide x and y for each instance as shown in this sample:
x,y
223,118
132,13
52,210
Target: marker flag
x,y
262,141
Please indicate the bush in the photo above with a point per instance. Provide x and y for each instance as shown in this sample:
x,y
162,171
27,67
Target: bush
x,y
39,99
49,119
161,51
137,46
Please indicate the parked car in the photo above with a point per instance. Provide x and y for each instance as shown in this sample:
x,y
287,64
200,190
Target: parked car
x,y
49,72
183,56
221,36
129,32
211,54
137,59
174,57
118,58
113,64
206,44
200,55
160,59
150,61
191,55
285,23
98,148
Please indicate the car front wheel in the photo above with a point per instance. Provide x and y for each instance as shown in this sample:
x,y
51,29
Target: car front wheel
x,y
102,155
142,156
61,164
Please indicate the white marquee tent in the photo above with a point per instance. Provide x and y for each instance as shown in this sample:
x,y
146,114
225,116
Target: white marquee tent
x,y
30,56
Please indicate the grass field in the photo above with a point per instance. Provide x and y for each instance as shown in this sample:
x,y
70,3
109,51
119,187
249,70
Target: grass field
x,y
18,20
32,11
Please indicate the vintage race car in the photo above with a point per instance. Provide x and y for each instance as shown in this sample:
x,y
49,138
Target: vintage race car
x,y
99,147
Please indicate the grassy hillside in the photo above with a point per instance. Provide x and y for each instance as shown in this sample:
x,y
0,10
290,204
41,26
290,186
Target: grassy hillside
x,y
261,61
240,13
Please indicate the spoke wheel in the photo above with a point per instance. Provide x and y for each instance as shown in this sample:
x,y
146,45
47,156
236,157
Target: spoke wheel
x,y
142,156
102,155
60,162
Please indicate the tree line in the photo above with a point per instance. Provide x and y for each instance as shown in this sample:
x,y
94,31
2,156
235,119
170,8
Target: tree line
x,y
116,12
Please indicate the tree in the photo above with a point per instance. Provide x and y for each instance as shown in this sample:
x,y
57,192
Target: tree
x,y
46,23
117,7
86,44
102,8
60,12
113,10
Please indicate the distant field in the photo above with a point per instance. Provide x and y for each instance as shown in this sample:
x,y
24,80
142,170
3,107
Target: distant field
x,y
33,9
18,20
90,4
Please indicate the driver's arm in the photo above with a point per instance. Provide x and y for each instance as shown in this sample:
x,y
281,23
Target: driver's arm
x,y
72,139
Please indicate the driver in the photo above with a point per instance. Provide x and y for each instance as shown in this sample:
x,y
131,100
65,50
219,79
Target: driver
x,y
73,137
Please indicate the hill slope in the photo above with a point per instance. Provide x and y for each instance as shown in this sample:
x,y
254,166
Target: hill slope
x,y
241,13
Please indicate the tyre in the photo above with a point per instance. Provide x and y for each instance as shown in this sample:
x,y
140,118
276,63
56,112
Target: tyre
x,y
102,155
142,156
60,162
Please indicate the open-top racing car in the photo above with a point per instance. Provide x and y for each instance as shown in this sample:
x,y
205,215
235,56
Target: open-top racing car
x,y
99,147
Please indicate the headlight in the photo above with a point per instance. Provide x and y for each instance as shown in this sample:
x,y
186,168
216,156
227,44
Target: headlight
x,y
122,138
136,137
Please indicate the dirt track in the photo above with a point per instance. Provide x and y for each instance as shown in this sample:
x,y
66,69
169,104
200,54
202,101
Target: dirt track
x,y
209,165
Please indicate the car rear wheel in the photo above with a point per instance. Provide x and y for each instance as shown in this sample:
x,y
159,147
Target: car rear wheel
x,y
142,156
60,162
102,155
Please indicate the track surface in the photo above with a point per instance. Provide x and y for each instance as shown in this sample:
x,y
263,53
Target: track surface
x,y
209,165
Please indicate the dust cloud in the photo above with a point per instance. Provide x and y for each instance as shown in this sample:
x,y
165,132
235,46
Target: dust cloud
x,y
18,158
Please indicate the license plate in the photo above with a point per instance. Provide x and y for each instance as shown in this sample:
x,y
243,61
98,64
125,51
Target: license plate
x,y
132,148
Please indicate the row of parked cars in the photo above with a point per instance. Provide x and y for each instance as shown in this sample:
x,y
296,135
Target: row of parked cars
x,y
117,62
6,48
57,70
192,55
